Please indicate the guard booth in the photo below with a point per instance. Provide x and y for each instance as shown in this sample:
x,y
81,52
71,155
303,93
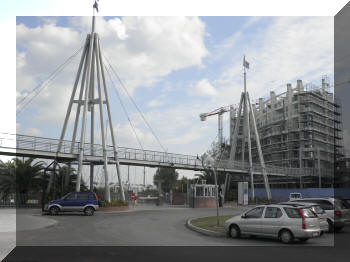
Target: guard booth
x,y
202,195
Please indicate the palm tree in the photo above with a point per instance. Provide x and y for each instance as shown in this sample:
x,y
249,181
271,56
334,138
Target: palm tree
x,y
7,178
21,177
62,186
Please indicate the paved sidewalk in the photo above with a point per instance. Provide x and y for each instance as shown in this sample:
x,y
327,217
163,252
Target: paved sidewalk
x,y
7,231
20,220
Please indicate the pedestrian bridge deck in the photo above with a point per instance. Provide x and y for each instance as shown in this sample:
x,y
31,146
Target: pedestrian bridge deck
x,y
46,148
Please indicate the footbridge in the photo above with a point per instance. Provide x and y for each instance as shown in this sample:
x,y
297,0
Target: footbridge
x,y
47,148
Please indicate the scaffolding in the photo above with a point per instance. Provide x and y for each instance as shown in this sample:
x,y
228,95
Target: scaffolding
x,y
299,128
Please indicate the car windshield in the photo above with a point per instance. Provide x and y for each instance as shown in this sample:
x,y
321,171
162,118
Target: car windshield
x,y
65,196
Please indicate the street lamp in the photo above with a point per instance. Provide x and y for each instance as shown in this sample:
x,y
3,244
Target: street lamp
x,y
208,163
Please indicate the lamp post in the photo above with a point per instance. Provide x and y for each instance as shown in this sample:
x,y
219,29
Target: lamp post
x,y
208,163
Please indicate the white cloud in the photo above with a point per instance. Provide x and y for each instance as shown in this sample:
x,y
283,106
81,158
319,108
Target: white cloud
x,y
289,48
32,132
126,137
203,88
142,49
157,102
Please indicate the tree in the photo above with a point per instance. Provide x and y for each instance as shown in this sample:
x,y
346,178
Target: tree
x,y
61,186
167,176
181,185
219,154
7,178
21,177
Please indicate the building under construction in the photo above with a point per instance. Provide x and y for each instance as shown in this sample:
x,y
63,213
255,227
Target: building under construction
x,y
301,127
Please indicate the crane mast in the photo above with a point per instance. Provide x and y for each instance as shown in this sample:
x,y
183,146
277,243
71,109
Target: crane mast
x,y
220,111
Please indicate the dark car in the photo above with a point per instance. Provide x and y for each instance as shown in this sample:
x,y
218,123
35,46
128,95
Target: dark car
x,y
86,202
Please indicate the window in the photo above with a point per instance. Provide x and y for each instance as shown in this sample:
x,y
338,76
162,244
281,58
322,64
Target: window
x,y
308,212
340,204
317,209
273,212
292,212
199,191
255,213
83,196
325,205
92,196
72,196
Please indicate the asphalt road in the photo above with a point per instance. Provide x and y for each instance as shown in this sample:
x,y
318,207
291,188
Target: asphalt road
x,y
158,227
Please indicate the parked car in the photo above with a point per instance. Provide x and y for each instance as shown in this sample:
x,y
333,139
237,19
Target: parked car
x,y
295,196
86,202
346,202
337,214
317,209
284,222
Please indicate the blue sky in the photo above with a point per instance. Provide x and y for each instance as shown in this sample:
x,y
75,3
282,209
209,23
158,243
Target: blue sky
x,y
174,67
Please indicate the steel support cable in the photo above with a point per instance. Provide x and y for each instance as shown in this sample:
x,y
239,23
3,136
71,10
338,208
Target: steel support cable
x,y
138,109
124,109
47,82
50,76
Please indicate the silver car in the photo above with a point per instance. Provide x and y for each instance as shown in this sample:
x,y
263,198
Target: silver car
x,y
284,222
322,216
337,214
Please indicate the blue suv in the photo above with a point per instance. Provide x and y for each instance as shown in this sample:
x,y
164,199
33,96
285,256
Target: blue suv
x,y
86,202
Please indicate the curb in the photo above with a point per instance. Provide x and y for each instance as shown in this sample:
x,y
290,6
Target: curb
x,y
203,231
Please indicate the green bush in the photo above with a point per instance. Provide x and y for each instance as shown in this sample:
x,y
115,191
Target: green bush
x,y
113,203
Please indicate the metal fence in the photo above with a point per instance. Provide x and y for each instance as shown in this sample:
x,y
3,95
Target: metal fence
x,y
21,201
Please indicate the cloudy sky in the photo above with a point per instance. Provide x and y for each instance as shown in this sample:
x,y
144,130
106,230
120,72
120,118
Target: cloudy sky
x,y
174,67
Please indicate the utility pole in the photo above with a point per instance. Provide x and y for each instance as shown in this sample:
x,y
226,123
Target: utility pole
x,y
208,164
144,176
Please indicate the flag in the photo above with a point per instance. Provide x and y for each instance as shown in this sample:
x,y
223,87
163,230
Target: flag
x,y
245,63
96,5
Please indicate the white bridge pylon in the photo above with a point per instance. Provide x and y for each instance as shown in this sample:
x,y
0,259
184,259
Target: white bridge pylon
x,y
248,114
92,75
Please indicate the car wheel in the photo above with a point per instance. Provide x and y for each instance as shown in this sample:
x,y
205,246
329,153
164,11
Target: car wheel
x,y
54,211
303,239
330,226
234,231
286,236
89,211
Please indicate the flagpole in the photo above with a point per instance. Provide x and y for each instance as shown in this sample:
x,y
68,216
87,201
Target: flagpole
x,y
245,73
93,20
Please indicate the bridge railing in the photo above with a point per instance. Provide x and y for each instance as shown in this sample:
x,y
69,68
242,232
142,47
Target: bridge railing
x,y
68,147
